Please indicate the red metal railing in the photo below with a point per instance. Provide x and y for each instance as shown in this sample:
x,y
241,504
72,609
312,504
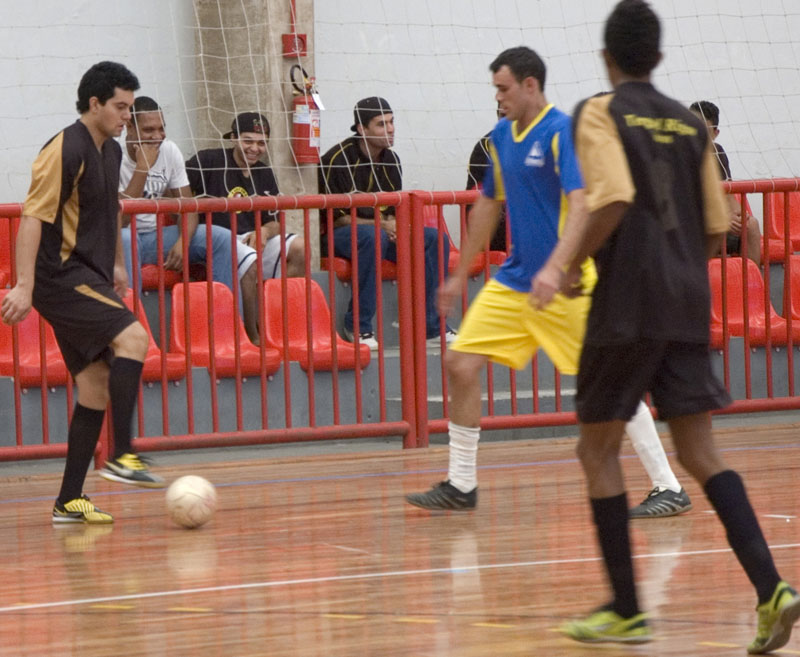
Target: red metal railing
x,y
238,403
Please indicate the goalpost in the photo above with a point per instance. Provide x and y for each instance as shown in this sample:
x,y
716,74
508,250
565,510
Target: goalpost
x,y
205,60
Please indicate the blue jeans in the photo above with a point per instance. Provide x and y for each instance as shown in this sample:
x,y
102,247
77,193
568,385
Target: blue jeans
x,y
147,250
366,272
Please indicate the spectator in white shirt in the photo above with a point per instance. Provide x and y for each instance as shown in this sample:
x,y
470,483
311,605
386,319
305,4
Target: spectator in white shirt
x,y
153,167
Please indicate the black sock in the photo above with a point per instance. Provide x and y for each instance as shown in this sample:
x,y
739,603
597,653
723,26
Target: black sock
x,y
84,430
727,495
123,389
611,520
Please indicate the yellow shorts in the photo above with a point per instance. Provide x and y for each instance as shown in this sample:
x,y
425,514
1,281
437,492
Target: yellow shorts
x,y
501,324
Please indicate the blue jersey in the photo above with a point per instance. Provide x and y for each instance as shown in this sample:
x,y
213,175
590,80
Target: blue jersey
x,y
533,172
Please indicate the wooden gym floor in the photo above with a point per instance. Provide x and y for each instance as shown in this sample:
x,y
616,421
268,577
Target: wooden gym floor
x,y
320,557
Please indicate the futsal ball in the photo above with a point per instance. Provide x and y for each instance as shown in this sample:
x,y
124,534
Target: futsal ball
x,y
191,501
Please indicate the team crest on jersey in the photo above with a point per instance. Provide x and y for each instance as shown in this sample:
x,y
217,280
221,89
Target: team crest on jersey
x,y
535,157
238,192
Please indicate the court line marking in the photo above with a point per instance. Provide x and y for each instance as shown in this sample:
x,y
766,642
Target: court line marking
x,y
345,578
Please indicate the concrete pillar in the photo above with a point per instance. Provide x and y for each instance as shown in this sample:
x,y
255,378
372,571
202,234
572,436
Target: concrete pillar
x,y
240,67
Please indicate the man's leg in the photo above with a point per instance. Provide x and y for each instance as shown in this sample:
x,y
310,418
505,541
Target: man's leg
x,y
431,275
130,349
779,604
249,288
296,258
666,498
432,260
753,239
365,244
84,430
620,621
459,491
598,451
224,261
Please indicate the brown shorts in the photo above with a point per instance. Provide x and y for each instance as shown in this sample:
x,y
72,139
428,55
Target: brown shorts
x,y
613,379
85,319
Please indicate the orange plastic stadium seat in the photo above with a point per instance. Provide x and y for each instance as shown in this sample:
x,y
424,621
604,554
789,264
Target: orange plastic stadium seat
x,y
197,272
321,350
772,247
774,222
343,268
757,311
224,337
150,277
791,288
175,362
30,360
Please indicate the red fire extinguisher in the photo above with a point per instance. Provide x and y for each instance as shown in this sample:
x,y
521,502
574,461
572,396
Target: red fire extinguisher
x,y
305,119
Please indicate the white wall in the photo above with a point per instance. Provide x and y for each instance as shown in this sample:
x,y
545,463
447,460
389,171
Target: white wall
x,y
428,57
430,60
47,45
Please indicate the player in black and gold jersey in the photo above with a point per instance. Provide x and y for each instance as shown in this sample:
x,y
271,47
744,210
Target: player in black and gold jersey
x,y
657,212
70,267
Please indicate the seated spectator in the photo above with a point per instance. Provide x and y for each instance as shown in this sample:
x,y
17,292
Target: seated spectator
x,y
366,162
478,166
709,112
239,172
152,167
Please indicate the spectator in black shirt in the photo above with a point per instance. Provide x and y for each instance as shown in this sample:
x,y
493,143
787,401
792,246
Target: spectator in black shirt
x,y
478,166
366,162
709,112
239,172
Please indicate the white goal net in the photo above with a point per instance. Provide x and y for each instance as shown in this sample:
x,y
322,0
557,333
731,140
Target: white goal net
x,y
428,58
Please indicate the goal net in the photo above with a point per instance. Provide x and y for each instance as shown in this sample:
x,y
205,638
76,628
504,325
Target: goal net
x,y
205,60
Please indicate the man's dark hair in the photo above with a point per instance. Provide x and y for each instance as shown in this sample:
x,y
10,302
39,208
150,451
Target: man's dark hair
x,y
101,80
632,37
523,63
708,110
143,104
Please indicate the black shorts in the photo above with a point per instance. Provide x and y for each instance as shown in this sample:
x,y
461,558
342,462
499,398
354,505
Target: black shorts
x,y
613,379
85,319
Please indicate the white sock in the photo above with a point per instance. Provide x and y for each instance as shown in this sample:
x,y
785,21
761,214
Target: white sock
x,y
642,431
462,472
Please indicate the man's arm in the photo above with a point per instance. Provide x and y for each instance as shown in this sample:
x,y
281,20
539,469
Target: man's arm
x,y
121,281
714,245
602,223
482,224
174,259
716,208
146,156
17,303
550,278
336,176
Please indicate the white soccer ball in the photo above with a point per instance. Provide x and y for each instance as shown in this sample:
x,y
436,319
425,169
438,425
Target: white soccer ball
x,y
191,501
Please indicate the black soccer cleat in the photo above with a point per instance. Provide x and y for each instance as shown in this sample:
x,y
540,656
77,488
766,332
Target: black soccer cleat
x,y
661,503
444,497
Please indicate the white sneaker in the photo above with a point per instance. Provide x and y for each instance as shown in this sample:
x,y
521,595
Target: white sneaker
x,y
449,336
367,338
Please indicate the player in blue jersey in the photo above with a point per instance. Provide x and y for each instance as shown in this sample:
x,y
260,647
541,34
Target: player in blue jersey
x,y
534,170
